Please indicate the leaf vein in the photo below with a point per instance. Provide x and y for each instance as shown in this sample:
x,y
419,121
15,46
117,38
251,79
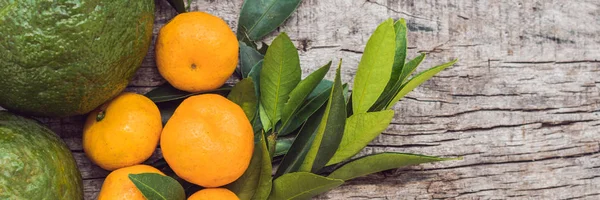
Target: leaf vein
x,y
150,188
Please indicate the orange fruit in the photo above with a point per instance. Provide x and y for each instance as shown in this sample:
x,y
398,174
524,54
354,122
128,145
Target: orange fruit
x,y
122,132
208,141
196,51
213,193
118,186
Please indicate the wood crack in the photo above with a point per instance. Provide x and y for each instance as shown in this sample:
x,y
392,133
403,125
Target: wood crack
x,y
403,145
552,62
563,123
589,178
548,188
514,161
429,100
492,110
583,196
478,191
352,51
488,128
494,95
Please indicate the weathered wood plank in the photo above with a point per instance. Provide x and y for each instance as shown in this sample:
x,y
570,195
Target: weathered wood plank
x,y
522,106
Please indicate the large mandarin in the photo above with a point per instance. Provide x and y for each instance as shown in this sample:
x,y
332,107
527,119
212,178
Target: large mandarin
x,y
122,132
196,51
208,141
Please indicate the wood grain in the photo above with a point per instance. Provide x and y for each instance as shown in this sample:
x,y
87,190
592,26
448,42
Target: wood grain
x,y
522,106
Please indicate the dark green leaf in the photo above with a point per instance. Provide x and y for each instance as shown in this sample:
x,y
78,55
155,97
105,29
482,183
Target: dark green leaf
x,y
385,99
400,55
243,95
257,123
380,162
346,93
410,67
157,187
329,134
166,92
316,99
255,75
360,130
279,76
399,59
256,182
418,80
294,158
283,145
323,87
167,109
375,68
259,17
299,94
249,57
301,185
177,5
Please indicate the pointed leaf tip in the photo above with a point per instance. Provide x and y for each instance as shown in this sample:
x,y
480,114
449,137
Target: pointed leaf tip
x,y
157,187
375,67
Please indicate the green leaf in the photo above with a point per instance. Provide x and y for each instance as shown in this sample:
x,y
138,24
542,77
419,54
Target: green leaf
x,y
177,5
315,100
331,128
295,157
157,187
418,80
301,185
279,76
360,130
374,68
283,145
346,93
249,57
401,46
167,109
255,75
299,94
264,119
259,17
399,58
166,92
380,162
385,99
410,67
256,182
243,95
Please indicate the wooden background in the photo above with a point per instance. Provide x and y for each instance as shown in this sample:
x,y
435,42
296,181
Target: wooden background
x,y
522,106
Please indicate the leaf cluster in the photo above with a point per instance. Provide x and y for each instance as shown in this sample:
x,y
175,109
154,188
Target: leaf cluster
x,y
311,129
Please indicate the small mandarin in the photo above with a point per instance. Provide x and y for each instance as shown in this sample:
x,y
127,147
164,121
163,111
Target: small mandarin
x,y
196,51
118,186
213,193
122,132
208,141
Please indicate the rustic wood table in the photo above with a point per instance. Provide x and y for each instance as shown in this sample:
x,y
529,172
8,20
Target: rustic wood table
x,y
522,106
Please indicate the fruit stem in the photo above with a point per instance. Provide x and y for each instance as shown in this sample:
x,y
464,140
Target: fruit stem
x,y
100,115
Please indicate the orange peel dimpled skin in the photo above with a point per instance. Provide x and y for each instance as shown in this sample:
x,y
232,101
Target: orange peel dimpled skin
x,y
196,51
208,141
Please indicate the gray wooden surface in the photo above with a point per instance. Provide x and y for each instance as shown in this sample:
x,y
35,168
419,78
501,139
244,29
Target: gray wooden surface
x,y
522,106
